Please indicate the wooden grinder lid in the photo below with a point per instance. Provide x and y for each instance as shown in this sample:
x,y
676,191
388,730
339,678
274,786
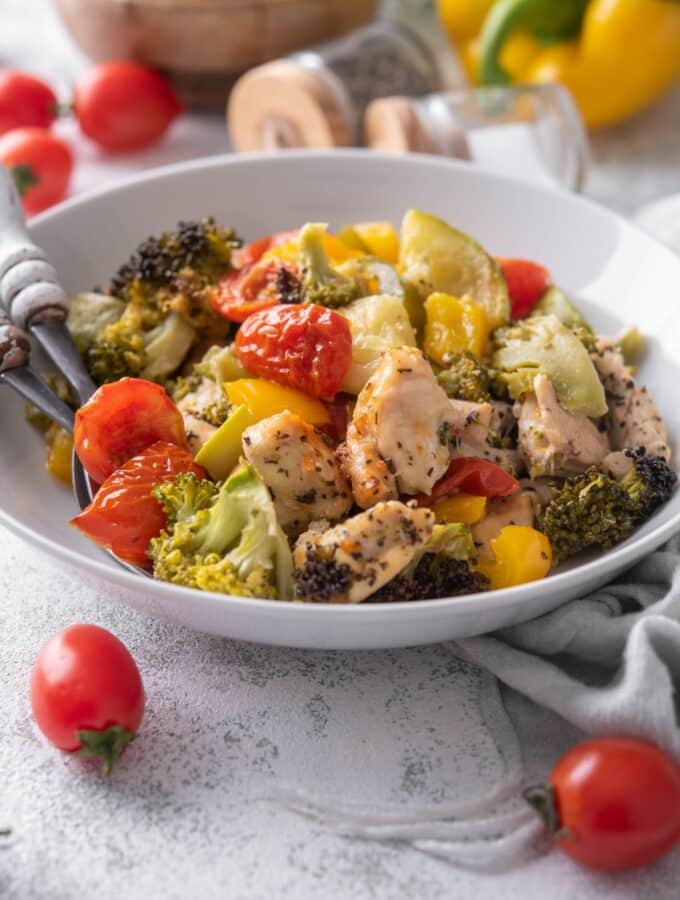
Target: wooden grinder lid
x,y
281,105
405,125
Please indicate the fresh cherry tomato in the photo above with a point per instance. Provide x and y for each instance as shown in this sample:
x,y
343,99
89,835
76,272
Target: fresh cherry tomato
x,y
340,409
124,517
124,106
87,693
122,419
41,165
252,252
527,282
612,803
256,286
471,475
25,101
307,347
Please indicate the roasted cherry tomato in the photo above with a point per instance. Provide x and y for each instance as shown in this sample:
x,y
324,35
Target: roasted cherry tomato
x,y
251,253
245,291
87,693
527,282
122,419
124,517
307,347
124,106
471,475
25,101
340,410
41,165
612,803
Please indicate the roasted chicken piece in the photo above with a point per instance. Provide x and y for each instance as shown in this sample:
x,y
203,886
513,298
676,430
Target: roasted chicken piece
x,y
474,433
554,441
351,561
191,406
300,470
635,420
399,437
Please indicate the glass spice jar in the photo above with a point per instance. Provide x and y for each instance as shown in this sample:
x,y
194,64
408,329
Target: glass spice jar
x,y
317,97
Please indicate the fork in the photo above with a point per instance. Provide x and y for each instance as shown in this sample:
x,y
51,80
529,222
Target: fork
x,y
33,301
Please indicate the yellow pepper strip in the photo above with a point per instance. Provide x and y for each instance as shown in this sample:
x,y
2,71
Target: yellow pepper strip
x,y
627,56
452,325
467,509
59,453
381,239
615,56
264,398
463,19
220,454
522,554
337,251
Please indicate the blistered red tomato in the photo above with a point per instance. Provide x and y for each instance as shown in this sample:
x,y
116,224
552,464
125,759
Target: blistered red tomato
x,y
307,347
527,282
87,693
122,419
252,252
40,164
124,517
612,803
124,106
471,475
25,101
256,286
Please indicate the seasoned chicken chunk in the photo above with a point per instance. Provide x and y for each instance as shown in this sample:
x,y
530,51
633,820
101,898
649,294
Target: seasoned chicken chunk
x,y
192,405
554,441
473,433
300,470
351,561
517,509
401,427
635,420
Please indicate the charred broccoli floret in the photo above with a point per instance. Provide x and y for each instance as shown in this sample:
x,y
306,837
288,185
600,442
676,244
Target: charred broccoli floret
x,y
649,482
589,510
443,568
321,283
322,578
465,378
222,537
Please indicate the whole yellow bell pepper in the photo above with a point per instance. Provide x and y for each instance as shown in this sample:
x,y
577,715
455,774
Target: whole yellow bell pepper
x,y
521,555
615,56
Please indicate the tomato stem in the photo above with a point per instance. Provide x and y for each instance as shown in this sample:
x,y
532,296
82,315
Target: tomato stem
x,y
24,177
106,745
541,798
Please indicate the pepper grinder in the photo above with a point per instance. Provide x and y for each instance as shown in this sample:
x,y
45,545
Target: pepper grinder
x,y
317,98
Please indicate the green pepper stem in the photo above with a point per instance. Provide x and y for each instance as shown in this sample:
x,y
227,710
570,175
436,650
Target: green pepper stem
x,y
548,20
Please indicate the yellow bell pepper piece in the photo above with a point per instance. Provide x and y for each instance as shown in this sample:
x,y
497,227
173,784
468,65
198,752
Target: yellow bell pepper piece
x,y
59,454
522,555
220,454
337,251
463,19
452,325
264,398
467,509
381,239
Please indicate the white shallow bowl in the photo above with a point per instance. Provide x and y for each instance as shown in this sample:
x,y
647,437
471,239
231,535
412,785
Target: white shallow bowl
x,y
619,276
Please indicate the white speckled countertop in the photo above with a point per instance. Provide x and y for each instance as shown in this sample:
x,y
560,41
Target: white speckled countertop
x,y
186,814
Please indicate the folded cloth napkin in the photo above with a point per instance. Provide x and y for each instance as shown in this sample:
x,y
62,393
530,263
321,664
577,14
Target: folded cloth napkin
x,y
608,663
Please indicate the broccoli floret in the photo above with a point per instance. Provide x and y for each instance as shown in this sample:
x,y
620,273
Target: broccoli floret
x,y
443,568
322,578
649,482
61,388
201,248
465,378
589,510
321,283
222,537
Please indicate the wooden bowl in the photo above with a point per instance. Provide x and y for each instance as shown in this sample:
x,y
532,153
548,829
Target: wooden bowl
x,y
204,45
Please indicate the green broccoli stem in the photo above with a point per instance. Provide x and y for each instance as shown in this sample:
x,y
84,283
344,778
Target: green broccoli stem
x,y
549,20
106,745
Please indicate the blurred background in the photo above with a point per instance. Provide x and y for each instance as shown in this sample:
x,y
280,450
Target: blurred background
x,y
403,84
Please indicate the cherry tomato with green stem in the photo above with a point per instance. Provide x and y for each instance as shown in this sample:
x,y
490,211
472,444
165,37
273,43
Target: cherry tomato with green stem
x,y
40,164
124,106
612,803
87,694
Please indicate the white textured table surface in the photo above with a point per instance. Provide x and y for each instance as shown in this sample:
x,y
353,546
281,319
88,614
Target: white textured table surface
x,y
226,723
